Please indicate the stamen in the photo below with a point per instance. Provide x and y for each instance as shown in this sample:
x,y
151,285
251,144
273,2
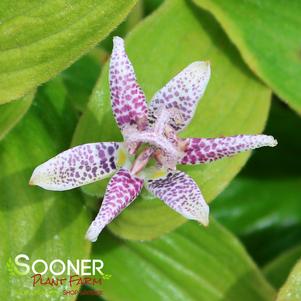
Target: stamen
x,y
154,139
141,123
177,116
182,144
171,134
128,131
141,160
165,160
163,117
133,147
157,156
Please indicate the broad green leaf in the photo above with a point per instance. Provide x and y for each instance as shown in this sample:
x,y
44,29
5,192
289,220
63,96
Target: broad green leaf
x,y
151,5
277,270
264,213
235,102
40,39
134,17
291,290
267,34
81,77
191,263
42,224
11,113
284,160
262,206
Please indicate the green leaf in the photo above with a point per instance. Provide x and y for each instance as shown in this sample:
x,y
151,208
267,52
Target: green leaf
x,y
284,160
291,291
12,113
191,263
267,34
42,224
262,206
151,5
235,102
40,39
264,213
134,17
80,77
277,270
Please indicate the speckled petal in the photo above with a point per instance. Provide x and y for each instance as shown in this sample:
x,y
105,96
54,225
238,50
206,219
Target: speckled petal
x,y
182,194
202,150
77,166
123,188
128,100
181,94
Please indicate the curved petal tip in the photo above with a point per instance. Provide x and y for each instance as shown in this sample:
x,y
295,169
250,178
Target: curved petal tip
x,y
93,232
118,42
201,66
36,176
272,141
203,217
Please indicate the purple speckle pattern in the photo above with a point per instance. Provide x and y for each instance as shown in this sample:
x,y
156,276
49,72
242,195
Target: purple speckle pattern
x,y
123,188
202,150
77,166
182,94
128,100
182,194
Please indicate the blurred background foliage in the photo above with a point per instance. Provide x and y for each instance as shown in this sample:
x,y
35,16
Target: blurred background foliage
x,y
54,94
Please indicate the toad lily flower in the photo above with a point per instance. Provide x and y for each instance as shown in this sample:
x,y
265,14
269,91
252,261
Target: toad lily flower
x,y
151,149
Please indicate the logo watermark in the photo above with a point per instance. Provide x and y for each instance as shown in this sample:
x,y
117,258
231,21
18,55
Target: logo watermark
x,y
65,276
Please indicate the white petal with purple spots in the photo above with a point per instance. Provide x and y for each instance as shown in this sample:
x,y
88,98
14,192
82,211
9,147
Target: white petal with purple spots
x,y
123,188
77,166
202,150
182,194
128,100
181,94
